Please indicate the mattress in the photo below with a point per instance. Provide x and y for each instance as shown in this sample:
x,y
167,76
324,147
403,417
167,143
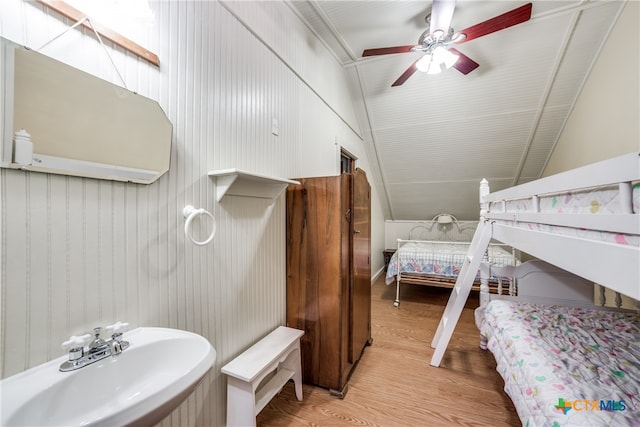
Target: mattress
x,y
566,366
601,201
442,259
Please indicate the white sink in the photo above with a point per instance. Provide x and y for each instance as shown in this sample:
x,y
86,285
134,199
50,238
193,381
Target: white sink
x,y
142,385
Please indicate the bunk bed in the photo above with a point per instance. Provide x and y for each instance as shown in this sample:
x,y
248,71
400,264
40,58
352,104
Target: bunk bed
x,y
435,252
565,360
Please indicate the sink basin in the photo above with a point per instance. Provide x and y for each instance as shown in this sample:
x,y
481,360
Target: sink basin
x,y
140,386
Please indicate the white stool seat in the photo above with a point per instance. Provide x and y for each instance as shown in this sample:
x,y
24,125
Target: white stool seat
x,y
278,352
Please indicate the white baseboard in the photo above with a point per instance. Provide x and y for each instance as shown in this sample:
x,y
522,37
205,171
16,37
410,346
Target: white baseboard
x,y
378,274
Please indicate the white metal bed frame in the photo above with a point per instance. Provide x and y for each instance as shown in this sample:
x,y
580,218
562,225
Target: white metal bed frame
x,y
582,256
445,229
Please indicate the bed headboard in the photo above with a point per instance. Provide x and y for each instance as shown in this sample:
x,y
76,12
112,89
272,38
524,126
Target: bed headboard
x,y
445,228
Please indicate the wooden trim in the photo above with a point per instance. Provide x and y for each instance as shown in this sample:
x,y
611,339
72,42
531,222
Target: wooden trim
x,y
75,15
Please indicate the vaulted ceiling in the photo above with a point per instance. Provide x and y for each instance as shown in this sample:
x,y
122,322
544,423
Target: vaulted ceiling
x,y
435,137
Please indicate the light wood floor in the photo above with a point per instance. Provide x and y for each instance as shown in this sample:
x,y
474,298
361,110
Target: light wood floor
x,y
394,385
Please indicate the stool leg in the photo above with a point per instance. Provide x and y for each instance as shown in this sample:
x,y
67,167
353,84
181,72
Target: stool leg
x,y
293,362
241,403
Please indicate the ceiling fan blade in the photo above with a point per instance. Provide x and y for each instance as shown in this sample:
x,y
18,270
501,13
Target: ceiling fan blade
x,y
408,73
388,50
464,64
441,14
500,22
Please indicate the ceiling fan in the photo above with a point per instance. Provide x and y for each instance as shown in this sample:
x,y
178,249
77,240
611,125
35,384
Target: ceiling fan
x,y
436,42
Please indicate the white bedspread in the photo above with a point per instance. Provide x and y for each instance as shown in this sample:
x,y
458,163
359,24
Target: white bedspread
x,y
566,366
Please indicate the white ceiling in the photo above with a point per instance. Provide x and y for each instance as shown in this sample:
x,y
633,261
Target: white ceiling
x,y
435,137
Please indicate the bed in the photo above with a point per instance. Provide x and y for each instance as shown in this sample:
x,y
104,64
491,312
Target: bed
x,y
435,251
565,359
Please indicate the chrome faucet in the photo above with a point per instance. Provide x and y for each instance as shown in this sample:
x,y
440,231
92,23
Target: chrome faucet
x,y
96,347
98,344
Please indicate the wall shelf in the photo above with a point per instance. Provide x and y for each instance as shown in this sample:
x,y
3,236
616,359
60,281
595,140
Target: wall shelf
x,y
236,182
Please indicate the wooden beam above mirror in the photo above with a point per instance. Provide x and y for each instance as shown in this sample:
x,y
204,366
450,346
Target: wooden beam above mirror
x,y
75,15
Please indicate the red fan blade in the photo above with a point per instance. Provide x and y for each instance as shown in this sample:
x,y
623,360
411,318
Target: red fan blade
x,y
388,50
408,73
500,22
441,14
464,64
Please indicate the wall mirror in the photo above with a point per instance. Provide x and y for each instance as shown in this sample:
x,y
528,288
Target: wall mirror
x,y
78,124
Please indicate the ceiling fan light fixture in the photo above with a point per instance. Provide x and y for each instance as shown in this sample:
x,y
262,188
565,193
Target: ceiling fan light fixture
x,y
432,63
424,63
434,68
450,59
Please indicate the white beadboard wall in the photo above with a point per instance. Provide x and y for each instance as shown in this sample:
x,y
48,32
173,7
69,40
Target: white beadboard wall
x,y
78,253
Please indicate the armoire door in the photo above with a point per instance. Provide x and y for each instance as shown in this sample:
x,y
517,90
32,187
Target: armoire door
x,y
361,284
318,277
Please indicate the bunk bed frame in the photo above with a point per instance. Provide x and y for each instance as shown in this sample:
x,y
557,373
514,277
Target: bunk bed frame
x,y
559,238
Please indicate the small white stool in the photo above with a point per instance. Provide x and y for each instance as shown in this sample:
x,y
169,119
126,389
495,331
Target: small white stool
x,y
280,352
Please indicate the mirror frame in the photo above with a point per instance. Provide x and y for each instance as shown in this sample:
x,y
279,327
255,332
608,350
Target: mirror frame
x,y
43,161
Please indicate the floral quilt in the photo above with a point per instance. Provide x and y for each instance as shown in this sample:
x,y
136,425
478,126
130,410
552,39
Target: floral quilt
x,y
442,259
566,366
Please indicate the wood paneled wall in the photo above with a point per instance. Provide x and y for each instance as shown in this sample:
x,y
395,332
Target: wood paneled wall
x,y
78,253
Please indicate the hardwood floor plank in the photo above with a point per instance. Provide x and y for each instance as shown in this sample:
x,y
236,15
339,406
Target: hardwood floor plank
x,y
394,385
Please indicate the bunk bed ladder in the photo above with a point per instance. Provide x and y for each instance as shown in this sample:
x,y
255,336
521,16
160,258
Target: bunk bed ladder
x,y
461,290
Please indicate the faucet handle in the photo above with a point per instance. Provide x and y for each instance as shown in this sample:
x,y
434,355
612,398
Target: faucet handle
x,y
76,341
116,327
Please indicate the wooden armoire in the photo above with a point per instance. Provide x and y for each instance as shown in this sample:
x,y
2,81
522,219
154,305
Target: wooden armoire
x,y
329,274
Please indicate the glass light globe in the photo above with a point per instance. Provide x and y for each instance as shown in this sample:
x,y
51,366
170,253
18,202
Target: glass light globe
x,y
424,63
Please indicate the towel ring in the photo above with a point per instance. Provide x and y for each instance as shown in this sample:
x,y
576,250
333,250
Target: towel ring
x,y
190,213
